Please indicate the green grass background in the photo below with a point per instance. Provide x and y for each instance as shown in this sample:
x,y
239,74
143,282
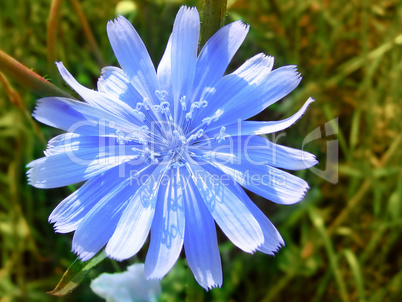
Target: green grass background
x,y
343,242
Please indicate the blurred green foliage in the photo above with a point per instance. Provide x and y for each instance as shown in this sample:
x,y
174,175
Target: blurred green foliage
x,y
343,242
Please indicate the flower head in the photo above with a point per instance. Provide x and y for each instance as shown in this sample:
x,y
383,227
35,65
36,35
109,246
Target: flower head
x,y
168,151
130,285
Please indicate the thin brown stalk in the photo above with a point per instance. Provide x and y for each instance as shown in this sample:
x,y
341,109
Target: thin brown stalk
x,y
28,78
88,31
16,99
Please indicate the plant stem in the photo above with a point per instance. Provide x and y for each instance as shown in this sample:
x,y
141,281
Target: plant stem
x,y
213,18
88,31
51,37
26,77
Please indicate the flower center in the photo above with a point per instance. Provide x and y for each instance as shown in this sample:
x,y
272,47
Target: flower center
x,y
167,134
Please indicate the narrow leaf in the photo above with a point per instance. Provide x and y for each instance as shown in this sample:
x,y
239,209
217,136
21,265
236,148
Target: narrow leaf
x,y
26,77
75,274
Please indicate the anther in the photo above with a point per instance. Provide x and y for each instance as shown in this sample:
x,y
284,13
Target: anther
x,y
156,108
182,101
180,137
198,134
144,129
214,117
121,139
138,106
221,135
161,95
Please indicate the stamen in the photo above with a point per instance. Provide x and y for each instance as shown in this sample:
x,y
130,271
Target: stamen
x,y
151,155
177,165
137,135
213,118
144,129
195,136
194,106
161,95
164,107
182,101
138,106
156,108
207,92
121,140
180,137
221,136
146,103
140,115
204,104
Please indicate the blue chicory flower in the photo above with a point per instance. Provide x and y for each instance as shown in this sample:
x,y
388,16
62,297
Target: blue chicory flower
x,y
168,151
128,286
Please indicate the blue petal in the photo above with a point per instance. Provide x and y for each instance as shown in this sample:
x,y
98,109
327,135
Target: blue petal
x,y
72,142
276,85
167,233
164,72
257,150
244,79
81,160
272,239
200,242
244,94
99,224
135,223
184,45
260,128
269,182
78,117
106,102
66,141
114,82
96,228
70,212
132,55
216,55
229,212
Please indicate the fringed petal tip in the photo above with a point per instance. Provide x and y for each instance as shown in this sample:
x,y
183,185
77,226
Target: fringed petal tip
x,y
37,112
186,9
33,177
212,286
270,248
153,277
312,161
116,20
62,230
296,198
241,23
210,283
34,113
303,193
82,254
113,256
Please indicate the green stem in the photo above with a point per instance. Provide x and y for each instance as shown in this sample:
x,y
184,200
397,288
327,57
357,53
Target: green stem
x,y
51,38
26,77
213,18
